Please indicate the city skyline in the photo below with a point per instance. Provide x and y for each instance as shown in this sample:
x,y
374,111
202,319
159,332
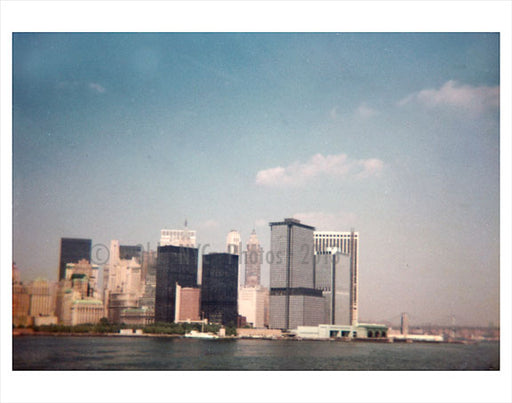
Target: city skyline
x,y
118,136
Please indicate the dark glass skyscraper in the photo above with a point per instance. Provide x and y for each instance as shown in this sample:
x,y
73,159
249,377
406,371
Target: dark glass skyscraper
x,y
72,250
130,251
175,265
219,288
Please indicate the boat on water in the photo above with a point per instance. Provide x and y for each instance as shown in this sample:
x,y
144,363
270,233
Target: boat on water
x,y
201,335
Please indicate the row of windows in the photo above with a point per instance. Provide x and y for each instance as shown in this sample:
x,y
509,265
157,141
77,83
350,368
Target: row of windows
x,y
335,235
321,244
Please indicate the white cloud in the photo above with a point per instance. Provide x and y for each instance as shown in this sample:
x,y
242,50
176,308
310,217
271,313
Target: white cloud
x,y
364,111
97,87
336,166
453,94
322,221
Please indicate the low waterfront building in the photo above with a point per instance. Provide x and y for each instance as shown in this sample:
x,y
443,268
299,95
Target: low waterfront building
x,y
259,333
45,320
137,316
360,331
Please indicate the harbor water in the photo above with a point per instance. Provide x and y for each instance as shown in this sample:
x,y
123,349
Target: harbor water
x,y
169,353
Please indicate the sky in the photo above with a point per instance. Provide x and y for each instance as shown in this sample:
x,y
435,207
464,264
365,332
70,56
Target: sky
x,y
117,136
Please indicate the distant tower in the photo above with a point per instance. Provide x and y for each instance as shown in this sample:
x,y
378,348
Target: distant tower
x,y
71,251
234,247
404,324
178,237
253,261
233,243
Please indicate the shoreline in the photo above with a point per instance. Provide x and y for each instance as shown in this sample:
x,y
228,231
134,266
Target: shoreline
x,y
155,335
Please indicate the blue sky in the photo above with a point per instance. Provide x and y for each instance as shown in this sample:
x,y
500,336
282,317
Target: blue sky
x,y
117,136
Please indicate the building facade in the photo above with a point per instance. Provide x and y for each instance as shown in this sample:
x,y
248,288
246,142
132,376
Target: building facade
x,y
175,265
73,250
253,260
234,247
346,243
253,304
20,300
42,298
293,299
123,282
188,304
332,270
178,237
86,311
219,288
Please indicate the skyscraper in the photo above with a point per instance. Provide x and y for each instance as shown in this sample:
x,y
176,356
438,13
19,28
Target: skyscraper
x,y
252,303
130,251
234,246
332,276
175,265
293,299
178,237
71,251
253,261
123,283
345,243
219,288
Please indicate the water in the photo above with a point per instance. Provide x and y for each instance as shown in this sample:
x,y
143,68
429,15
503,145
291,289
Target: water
x,y
164,353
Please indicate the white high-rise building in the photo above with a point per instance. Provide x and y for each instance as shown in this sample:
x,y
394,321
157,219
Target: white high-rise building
x,y
178,237
234,246
234,242
252,303
346,243
253,259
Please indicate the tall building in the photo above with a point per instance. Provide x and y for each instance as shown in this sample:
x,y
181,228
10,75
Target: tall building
x,y
234,246
123,285
293,299
332,277
42,298
252,303
148,274
219,288
77,295
234,242
178,237
175,265
71,251
128,252
345,243
20,300
253,260
188,304
404,324
89,271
